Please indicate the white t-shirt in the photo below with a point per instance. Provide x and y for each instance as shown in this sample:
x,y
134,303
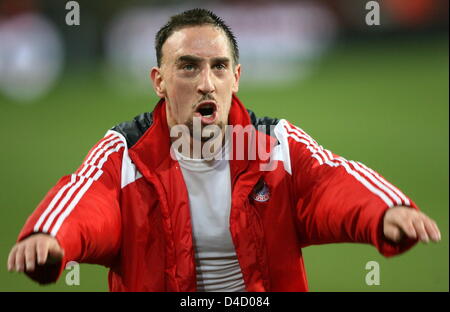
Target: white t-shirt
x,y
209,188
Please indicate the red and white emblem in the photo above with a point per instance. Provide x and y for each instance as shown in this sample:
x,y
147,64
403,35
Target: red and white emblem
x,y
262,195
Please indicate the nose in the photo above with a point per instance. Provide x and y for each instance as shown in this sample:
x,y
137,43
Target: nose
x,y
206,84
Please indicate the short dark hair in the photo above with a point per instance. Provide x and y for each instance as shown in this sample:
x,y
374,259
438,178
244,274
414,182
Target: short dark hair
x,y
194,17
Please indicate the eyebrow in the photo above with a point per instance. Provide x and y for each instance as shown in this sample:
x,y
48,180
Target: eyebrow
x,y
196,59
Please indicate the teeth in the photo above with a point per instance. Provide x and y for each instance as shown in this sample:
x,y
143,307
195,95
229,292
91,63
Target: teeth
x,y
207,116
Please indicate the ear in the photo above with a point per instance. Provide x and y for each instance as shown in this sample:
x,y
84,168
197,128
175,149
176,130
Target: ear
x,y
158,82
237,76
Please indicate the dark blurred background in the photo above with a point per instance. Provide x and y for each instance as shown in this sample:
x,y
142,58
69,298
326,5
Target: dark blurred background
x,y
373,93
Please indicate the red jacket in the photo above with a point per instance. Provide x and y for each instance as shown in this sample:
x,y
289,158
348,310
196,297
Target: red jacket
x,y
127,208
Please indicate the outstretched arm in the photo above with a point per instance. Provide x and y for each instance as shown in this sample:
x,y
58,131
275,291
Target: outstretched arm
x,y
338,200
78,220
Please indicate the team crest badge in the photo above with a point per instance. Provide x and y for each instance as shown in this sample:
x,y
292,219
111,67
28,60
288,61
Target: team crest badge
x,y
261,193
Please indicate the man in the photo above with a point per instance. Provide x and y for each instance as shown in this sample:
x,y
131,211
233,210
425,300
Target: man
x,y
163,217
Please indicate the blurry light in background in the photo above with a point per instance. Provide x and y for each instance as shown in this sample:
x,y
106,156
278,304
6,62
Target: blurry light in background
x,y
130,47
278,43
417,12
31,56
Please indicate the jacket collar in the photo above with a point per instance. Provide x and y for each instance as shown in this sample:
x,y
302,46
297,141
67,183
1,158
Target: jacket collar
x,y
152,152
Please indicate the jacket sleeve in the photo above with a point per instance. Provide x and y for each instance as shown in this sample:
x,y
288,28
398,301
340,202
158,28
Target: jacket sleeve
x,y
338,200
82,211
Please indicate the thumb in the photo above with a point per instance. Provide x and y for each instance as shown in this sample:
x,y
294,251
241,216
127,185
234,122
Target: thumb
x,y
55,252
393,233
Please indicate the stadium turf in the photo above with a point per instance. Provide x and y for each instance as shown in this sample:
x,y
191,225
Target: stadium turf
x,y
383,103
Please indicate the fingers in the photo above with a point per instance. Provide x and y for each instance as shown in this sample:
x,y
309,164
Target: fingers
x,y
55,252
433,230
12,258
437,233
42,252
32,251
420,227
427,229
30,256
414,224
408,228
20,258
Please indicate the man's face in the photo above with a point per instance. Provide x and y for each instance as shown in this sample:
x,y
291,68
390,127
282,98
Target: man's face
x,y
197,77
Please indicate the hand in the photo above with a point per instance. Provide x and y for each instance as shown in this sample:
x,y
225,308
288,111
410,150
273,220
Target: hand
x,y
404,221
37,249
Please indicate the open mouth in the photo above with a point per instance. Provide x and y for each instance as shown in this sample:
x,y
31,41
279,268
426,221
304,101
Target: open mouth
x,y
207,111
